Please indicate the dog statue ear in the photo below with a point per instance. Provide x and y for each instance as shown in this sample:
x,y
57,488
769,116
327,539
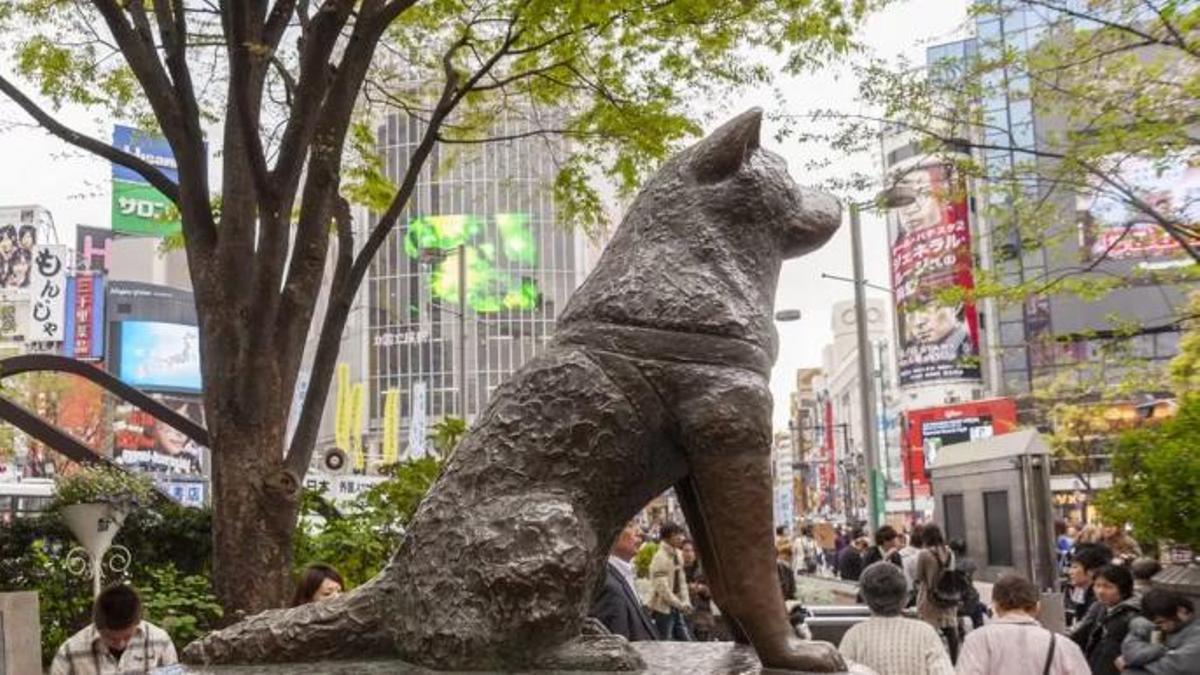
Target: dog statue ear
x,y
723,152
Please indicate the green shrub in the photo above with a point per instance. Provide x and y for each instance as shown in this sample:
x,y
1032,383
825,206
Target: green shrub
x,y
184,606
641,561
102,483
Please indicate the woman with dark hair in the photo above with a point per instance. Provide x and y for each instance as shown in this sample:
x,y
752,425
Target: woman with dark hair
x,y
317,582
19,263
1106,624
935,608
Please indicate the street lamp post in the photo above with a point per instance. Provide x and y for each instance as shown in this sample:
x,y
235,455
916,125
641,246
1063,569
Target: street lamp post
x,y
889,199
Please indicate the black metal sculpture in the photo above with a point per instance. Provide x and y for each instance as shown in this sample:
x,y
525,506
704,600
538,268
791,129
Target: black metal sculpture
x,y
658,377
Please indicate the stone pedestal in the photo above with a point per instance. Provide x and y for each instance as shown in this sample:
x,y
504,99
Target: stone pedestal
x,y
662,658
20,634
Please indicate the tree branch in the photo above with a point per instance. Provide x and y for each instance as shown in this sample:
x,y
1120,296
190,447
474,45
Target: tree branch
x,y
155,177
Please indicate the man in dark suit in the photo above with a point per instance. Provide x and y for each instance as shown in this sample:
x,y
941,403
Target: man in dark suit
x,y
617,605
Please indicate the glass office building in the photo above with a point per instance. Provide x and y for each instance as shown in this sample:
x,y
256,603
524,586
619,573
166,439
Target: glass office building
x,y
469,284
1045,338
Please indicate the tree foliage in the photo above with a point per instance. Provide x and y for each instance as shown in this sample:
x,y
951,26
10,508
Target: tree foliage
x,y
1111,86
359,539
287,81
1156,479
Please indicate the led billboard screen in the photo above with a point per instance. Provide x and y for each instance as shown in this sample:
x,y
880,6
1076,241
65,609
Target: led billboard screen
x,y
158,356
494,282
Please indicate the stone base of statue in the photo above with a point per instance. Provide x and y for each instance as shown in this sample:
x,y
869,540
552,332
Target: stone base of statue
x,y
662,658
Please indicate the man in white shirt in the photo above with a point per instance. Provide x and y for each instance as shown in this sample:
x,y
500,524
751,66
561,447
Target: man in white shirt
x,y
617,605
909,554
117,642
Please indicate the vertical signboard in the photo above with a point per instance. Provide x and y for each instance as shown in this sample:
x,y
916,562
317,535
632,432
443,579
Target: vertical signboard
x,y
85,317
137,207
18,241
416,424
391,426
48,294
931,254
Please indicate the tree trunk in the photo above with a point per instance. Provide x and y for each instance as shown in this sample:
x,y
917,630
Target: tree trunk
x,y
254,516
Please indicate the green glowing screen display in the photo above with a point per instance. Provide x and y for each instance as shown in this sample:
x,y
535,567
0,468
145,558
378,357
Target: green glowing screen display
x,y
499,260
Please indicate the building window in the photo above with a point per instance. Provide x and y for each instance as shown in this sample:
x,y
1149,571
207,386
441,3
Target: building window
x,y
955,521
999,529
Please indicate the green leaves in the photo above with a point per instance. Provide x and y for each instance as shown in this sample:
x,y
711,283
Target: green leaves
x,y
360,539
1156,479
102,483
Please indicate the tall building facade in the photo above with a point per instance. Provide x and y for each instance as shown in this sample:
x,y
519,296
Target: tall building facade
x,y
469,284
1063,337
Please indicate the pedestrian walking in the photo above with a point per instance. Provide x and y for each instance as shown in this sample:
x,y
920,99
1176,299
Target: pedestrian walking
x,y
117,640
908,556
889,642
1015,643
1086,560
1106,624
1143,570
1165,640
886,547
940,588
806,552
702,624
849,561
1124,548
783,566
669,600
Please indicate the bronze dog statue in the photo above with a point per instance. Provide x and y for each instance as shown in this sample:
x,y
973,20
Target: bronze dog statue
x,y
657,377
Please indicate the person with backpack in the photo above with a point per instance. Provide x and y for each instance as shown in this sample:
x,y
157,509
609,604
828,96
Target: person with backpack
x,y
1015,643
940,588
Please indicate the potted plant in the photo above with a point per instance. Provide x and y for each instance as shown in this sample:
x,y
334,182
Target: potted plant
x,y
94,502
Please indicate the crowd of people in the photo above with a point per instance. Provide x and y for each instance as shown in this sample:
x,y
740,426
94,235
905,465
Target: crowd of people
x,y
926,615
1118,623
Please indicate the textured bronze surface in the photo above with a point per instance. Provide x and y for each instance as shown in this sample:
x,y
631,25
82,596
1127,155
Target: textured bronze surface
x,y
661,658
658,378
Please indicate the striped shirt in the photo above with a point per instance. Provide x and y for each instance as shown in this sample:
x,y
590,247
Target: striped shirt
x,y
86,654
895,645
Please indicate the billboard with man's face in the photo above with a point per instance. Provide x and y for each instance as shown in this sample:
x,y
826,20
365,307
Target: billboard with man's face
x,y
931,253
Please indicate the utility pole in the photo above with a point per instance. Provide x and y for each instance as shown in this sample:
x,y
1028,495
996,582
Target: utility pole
x,y
462,330
865,383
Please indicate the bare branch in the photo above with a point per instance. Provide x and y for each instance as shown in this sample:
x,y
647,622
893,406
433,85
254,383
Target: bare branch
x,y
155,177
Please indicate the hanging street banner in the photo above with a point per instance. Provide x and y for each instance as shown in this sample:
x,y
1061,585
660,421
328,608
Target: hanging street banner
x,y
137,207
48,294
931,253
417,427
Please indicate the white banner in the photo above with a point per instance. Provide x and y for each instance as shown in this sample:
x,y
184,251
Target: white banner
x,y
47,294
416,422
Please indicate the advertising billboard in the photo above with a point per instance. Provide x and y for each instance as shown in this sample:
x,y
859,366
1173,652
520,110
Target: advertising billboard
x,y
48,294
931,253
496,250
143,443
93,247
1171,187
928,430
158,356
85,317
19,236
138,208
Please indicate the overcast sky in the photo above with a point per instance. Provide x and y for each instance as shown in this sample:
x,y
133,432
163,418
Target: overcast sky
x,y
36,168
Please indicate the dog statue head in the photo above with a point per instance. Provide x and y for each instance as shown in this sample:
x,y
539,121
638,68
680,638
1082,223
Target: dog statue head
x,y
728,171
700,248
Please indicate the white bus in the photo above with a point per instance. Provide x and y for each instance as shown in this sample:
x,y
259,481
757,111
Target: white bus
x,y
24,497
